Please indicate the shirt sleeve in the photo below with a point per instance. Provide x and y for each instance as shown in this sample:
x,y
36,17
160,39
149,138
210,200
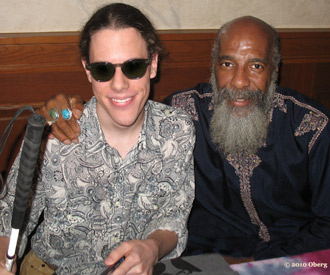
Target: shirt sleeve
x,y
177,181
315,235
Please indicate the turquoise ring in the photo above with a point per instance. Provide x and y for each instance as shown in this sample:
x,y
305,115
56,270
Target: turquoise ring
x,y
54,114
66,114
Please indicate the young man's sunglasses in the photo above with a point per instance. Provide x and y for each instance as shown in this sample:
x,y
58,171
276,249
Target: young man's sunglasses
x,y
132,69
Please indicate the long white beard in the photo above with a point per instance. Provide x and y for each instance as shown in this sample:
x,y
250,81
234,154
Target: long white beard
x,y
237,130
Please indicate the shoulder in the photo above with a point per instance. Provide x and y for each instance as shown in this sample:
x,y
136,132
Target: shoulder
x,y
199,92
163,111
89,117
89,108
297,104
309,118
192,100
285,96
90,129
163,118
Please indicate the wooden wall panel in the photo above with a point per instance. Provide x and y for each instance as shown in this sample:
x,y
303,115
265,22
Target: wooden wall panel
x,y
322,83
188,61
34,67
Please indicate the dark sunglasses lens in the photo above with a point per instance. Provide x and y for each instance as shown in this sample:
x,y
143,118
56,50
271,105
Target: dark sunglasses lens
x,y
135,69
102,71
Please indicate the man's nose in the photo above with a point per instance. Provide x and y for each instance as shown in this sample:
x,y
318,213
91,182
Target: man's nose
x,y
240,79
119,81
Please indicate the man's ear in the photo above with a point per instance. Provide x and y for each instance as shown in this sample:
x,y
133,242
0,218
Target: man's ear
x,y
88,73
154,66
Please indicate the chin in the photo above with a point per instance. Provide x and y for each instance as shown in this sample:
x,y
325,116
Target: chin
x,y
240,111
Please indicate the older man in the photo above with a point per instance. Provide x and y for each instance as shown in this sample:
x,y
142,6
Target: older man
x,y
262,159
262,154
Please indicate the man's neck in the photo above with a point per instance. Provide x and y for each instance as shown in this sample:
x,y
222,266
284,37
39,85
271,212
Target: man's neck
x,y
122,138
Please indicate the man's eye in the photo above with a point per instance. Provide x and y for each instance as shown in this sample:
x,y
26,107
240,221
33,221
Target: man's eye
x,y
257,67
225,64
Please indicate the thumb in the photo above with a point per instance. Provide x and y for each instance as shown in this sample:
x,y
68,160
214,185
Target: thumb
x,y
77,113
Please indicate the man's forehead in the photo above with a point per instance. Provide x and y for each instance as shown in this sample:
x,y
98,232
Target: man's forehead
x,y
246,34
250,27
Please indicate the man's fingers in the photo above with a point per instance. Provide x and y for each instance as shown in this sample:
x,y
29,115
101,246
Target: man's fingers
x,y
69,126
57,132
64,125
63,131
55,103
74,132
77,106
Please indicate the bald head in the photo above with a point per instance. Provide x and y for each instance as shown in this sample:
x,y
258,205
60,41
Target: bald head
x,y
248,22
255,28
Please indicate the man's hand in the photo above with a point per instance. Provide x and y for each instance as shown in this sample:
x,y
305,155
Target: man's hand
x,y
66,131
141,255
4,271
4,242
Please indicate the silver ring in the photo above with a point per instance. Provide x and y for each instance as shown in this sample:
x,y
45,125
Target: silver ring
x,y
66,114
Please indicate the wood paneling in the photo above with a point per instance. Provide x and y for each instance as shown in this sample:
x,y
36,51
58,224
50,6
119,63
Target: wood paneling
x,y
34,67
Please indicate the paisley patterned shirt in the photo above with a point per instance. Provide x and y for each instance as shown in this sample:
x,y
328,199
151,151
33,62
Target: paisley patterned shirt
x,y
93,200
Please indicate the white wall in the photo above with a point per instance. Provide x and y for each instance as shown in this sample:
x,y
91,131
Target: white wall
x,y
69,15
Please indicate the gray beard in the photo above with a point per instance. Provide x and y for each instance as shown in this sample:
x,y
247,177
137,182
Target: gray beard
x,y
240,130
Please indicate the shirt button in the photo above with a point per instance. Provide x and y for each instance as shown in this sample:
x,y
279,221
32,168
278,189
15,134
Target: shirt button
x,y
167,112
118,219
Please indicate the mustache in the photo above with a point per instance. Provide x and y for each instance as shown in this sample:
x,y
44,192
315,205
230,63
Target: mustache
x,y
255,96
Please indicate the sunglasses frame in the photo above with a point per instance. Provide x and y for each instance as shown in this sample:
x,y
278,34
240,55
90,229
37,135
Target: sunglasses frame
x,y
89,67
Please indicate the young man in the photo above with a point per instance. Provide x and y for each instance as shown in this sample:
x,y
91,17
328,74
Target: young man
x,y
262,153
126,189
